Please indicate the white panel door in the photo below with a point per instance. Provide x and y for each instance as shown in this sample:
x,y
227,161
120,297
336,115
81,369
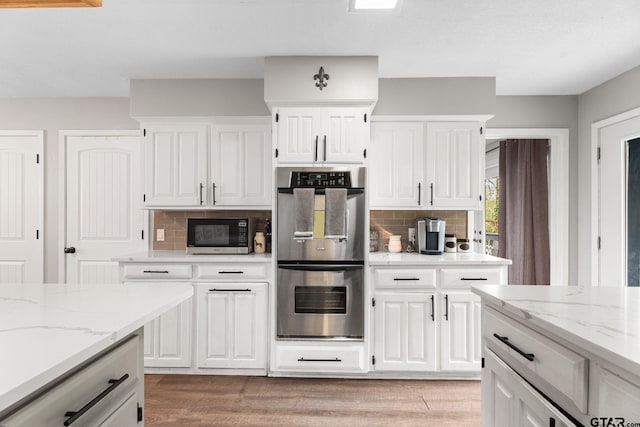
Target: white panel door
x,y
240,166
345,135
175,165
231,325
104,216
21,207
453,165
298,135
396,165
460,331
405,332
613,201
170,343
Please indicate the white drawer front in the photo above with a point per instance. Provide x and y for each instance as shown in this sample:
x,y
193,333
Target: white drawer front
x,y
321,359
405,278
541,358
233,272
157,271
465,277
615,395
78,390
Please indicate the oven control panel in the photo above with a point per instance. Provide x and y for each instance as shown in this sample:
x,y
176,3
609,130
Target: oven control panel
x,y
321,179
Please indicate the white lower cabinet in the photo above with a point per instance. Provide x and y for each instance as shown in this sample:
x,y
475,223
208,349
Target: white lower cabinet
x,y
231,325
405,331
508,400
460,331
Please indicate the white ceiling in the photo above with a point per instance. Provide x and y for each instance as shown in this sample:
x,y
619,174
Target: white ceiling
x,y
533,47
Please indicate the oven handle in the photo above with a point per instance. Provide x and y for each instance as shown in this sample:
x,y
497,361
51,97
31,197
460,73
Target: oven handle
x,y
313,267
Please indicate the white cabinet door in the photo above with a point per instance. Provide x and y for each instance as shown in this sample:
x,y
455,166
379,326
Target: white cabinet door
x,y
460,331
345,132
405,332
395,165
508,400
240,166
231,325
453,165
175,165
298,135
167,339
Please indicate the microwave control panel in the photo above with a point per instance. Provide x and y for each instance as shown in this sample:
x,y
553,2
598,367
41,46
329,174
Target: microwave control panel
x,y
340,179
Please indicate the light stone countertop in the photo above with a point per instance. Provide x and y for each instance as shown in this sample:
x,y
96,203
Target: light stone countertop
x,y
182,256
449,259
48,329
603,320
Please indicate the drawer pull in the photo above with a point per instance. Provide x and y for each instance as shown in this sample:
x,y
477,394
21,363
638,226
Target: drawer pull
x,y
231,272
229,290
505,340
473,278
406,278
156,271
302,359
74,416
552,422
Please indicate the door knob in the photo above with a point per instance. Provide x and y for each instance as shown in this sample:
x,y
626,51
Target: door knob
x,y
70,250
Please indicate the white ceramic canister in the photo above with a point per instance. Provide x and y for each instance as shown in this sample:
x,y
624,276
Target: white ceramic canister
x,y
450,243
463,245
259,242
395,244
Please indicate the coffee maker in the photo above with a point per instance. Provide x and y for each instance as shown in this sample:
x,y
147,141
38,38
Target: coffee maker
x,y
430,235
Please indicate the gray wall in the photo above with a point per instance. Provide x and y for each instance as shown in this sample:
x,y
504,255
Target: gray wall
x,y
52,115
198,97
438,96
548,112
608,99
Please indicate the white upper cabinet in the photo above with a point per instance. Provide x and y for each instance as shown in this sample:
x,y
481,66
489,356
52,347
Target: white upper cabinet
x,y
175,165
240,166
396,167
317,135
453,160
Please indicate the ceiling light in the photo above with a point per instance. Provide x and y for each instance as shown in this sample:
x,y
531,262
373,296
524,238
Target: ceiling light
x,y
373,4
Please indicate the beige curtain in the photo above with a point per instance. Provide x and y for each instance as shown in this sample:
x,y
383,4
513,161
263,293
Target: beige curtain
x,y
523,222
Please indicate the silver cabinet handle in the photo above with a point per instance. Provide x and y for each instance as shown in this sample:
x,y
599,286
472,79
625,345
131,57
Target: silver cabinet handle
x,y
324,148
201,193
316,150
432,194
213,191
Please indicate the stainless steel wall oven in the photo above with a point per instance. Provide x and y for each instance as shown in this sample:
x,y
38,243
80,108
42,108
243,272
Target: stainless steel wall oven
x,y
320,248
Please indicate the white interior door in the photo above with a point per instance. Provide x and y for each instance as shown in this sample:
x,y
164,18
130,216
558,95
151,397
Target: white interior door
x,y
104,216
21,207
613,193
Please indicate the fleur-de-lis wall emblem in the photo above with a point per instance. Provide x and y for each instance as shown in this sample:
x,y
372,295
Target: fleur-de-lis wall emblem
x,y
321,78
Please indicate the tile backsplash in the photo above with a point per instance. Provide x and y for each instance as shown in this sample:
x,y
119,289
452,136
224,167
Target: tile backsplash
x,y
174,224
387,223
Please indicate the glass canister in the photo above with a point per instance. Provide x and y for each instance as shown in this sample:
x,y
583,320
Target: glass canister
x,y
450,243
373,241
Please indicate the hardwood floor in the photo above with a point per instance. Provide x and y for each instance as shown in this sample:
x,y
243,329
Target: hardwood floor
x,y
193,400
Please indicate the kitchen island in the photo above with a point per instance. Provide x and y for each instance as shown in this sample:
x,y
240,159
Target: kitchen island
x,y
63,344
560,355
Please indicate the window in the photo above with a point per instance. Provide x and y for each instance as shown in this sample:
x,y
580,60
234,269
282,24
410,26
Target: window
x,y
491,212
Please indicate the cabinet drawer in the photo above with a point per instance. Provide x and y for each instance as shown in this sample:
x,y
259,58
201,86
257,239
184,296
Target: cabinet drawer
x,y
232,272
78,390
538,359
157,271
465,277
320,359
405,278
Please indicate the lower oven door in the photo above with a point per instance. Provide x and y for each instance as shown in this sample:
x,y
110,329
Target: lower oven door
x,y
320,301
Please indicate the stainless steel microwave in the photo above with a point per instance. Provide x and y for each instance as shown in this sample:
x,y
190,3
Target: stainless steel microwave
x,y
208,236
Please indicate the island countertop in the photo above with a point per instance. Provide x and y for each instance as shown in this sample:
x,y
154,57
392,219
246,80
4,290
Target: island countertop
x,y
48,329
452,259
603,320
